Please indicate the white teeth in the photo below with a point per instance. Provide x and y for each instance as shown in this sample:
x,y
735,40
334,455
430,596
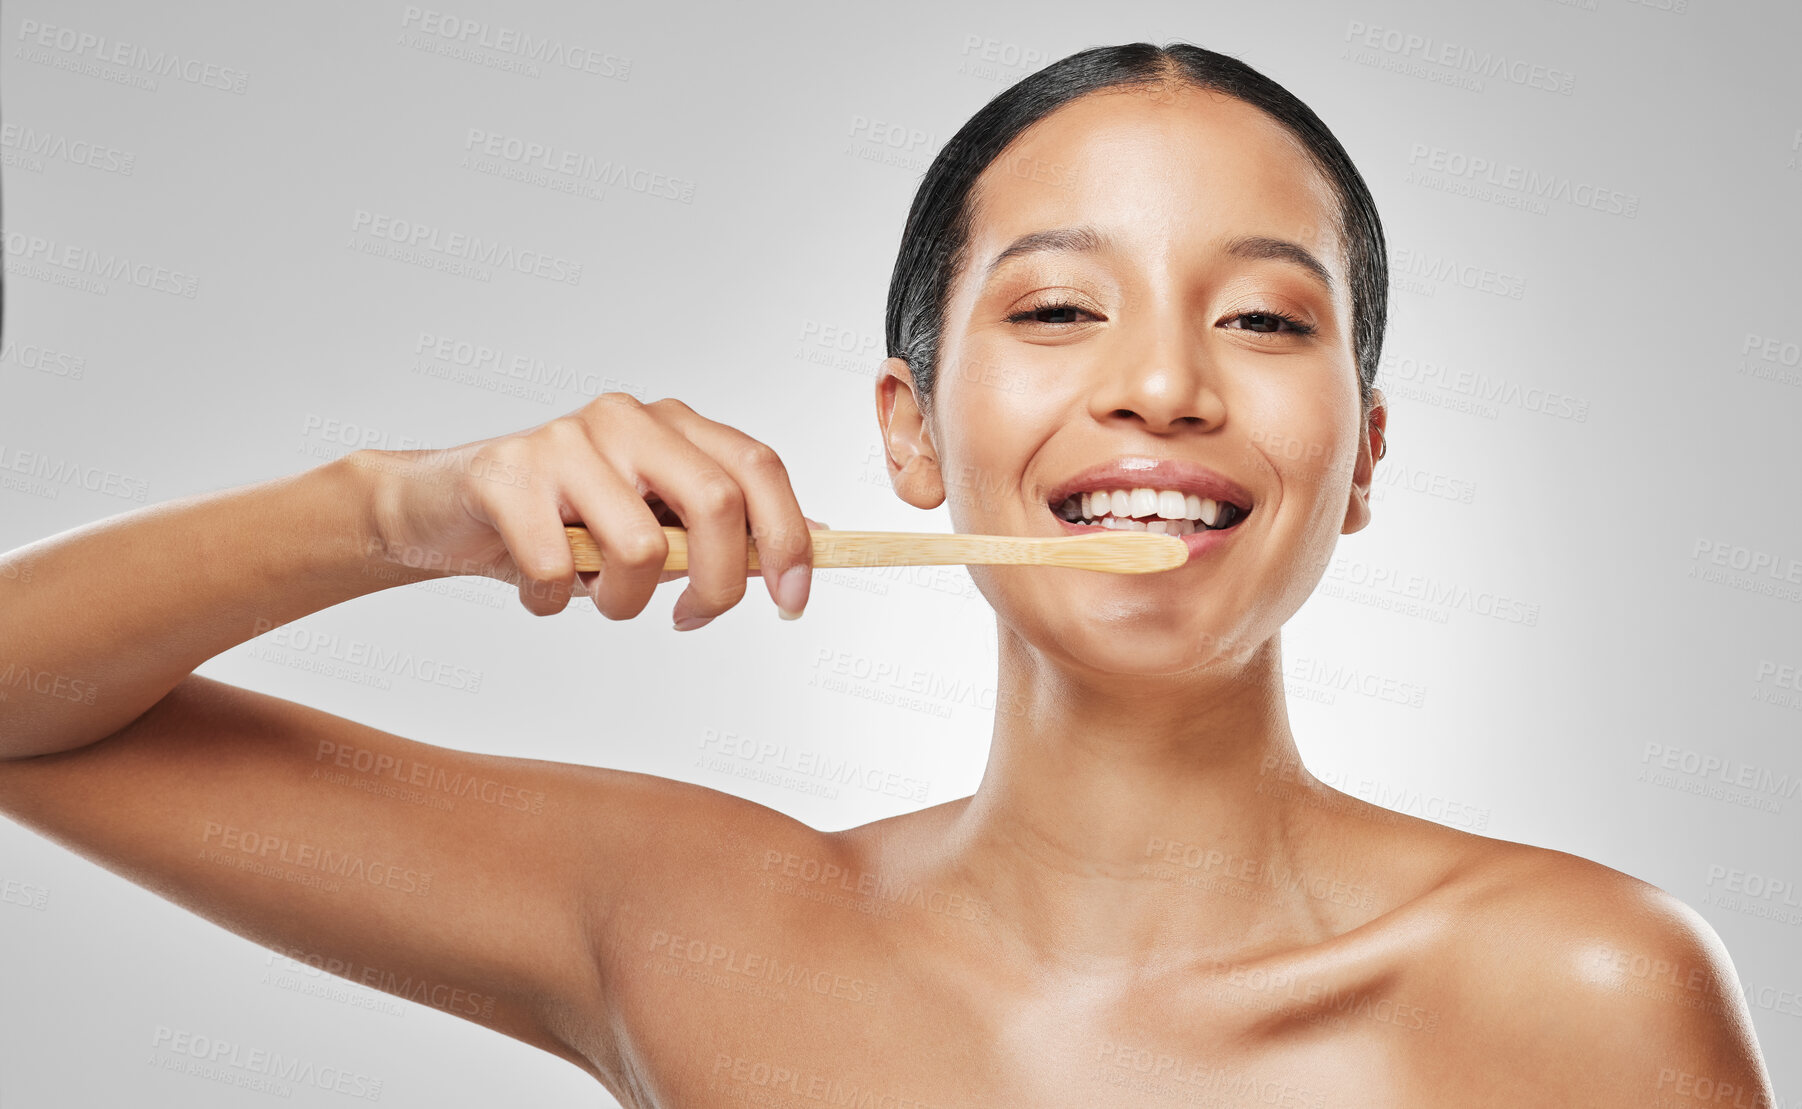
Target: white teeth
x,y
1175,512
1160,527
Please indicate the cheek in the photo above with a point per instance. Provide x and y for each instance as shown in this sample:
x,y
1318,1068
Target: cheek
x,y
1310,436
989,377
973,466
990,422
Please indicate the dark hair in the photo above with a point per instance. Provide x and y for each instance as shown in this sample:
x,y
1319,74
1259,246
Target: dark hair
x,y
935,242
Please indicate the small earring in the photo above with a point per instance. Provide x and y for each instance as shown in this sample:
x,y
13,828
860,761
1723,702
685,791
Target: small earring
x,y
1382,447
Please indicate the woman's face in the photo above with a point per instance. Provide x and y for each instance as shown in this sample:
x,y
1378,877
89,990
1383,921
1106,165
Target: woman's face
x,y
1153,337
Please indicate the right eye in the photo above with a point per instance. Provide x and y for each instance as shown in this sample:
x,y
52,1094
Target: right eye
x,y
1040,310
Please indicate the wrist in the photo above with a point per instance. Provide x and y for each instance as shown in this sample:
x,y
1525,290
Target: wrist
x,y
372,483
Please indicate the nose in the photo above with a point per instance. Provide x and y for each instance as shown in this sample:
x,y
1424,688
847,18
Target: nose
x,y
1161,374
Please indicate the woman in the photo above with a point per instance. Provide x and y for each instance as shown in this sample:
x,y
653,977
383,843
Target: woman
x,y
1144,287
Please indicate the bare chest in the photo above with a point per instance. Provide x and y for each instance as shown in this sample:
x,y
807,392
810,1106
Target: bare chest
x,y
714,1014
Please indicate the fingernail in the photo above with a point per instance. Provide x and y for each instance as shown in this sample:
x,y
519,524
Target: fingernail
x,y
690,623
791,592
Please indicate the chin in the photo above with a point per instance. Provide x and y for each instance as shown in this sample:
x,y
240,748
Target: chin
x,y
1135,637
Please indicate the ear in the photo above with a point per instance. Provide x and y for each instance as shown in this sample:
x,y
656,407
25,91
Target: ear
x,y
1372,444
913,465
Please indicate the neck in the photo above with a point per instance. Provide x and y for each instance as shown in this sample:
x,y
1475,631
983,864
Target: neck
x,y
1126,821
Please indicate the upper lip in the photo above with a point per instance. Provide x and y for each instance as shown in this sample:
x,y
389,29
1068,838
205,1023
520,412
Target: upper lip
x,y
1153,473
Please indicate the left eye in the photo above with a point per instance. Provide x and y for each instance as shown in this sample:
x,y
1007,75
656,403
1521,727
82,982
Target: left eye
x,y
1048,314
1270,322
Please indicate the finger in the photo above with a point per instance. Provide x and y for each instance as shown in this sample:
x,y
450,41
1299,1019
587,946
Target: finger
x,y
538,545
777,527
704,496
632,543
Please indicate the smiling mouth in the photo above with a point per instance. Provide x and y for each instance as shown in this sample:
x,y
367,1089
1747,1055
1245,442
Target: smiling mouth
x,y
1169,512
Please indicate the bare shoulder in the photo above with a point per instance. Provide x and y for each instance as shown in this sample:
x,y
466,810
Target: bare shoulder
x,y
709,864
699,865
1617,991
694,837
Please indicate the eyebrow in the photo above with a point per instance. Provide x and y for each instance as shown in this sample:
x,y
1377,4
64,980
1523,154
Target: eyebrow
x,y
1068,239
1264,248
1080,240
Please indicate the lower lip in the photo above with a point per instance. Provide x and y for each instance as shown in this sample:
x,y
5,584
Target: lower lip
x,y
1198,542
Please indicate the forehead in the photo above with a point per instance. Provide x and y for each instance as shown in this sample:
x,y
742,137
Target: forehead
x,y
1157,169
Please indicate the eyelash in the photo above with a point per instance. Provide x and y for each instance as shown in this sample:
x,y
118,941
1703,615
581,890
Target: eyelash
x,y
1025,315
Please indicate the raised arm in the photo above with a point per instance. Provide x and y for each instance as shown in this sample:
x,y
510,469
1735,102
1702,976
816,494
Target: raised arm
x,y
98,623
477,884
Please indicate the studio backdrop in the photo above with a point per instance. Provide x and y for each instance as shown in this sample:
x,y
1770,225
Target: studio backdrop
x,y
242,240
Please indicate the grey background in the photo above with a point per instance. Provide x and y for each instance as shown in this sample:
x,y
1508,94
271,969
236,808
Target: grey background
x,y
1582,449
